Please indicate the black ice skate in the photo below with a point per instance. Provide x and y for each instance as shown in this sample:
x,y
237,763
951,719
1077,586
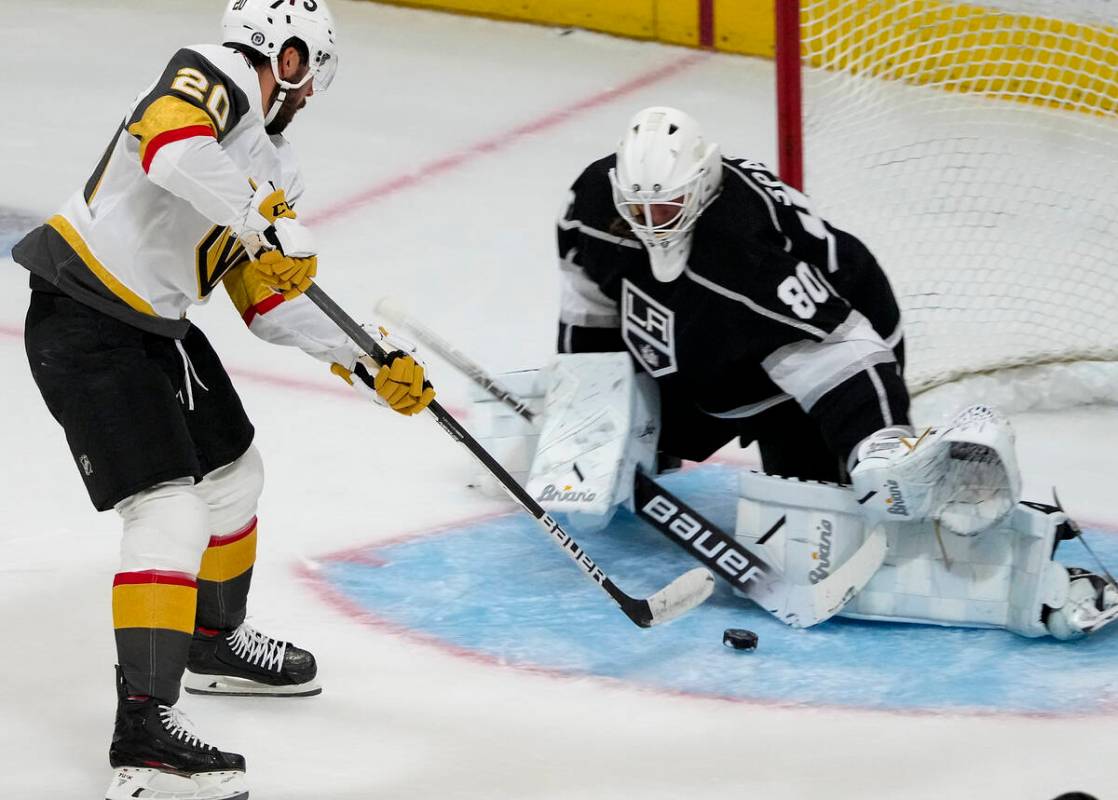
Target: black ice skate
x,y
245,662
157,756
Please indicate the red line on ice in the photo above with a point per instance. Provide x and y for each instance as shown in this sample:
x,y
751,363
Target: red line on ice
x,y
390,186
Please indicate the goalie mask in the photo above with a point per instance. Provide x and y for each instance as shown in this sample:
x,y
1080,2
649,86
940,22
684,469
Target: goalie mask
x,y
666,176
267,25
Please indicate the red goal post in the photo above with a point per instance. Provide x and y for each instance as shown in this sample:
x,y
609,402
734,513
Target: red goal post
x,y
974,148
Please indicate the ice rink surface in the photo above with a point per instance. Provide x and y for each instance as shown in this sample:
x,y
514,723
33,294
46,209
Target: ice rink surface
x,y
436,165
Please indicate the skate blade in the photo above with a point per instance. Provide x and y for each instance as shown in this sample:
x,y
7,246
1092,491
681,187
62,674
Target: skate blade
x,y
195,683
138,783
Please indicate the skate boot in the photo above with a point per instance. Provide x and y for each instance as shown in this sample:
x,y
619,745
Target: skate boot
x,y
156,755
1092,604
244,662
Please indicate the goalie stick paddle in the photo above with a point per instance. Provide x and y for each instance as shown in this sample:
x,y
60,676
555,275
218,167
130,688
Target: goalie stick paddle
x,y
798,605
678,597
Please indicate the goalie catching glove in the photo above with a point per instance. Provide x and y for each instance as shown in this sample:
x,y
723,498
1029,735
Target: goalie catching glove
x,y
963,475
284,253
400,383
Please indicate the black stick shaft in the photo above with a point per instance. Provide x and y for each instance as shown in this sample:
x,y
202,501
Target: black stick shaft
x,y
701,538
665,512
637,610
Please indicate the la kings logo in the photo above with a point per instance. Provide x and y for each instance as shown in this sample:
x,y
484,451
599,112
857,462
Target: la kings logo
x,y
649,331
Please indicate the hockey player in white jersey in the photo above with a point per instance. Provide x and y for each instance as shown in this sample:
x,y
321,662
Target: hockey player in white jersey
x,y
198,188
745,315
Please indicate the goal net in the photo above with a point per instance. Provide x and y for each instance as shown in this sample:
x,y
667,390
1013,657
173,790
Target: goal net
x,y
975,150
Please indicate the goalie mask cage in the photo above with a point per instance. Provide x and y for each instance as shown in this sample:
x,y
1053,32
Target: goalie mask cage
x,y
974,148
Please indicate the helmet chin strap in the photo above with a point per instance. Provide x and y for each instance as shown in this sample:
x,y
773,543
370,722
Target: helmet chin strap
x,y
277,104
283,87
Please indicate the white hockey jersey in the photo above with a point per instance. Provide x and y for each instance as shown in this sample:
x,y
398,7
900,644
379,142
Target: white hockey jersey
x,y
153,230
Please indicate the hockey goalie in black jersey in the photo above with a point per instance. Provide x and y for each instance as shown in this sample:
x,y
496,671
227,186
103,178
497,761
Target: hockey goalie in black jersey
x,y
704,300
758,319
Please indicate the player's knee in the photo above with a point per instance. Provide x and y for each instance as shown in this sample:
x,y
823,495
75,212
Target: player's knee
x,y
231,492
166,527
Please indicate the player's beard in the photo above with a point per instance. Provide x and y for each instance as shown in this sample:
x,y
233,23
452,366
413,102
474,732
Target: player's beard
x,y
291,104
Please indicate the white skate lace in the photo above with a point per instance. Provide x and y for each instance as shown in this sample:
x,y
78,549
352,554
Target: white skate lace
x,y
257,648
179,725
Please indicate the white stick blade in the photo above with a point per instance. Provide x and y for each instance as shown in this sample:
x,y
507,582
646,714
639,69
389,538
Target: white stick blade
x,y
681,595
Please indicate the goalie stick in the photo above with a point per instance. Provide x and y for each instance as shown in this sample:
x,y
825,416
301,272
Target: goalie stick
x,y
798,605
678,597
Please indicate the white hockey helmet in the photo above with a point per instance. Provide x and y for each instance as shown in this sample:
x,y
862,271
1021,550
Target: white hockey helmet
x,y
663,160
265,25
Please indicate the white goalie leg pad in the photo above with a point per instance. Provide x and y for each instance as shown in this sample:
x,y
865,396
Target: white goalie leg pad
x,y
130,783
166,527
1003,577
232,492
964,474
505,434
806,528
601,421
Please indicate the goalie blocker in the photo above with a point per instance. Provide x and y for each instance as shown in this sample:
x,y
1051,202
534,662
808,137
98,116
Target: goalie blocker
x,y
596,425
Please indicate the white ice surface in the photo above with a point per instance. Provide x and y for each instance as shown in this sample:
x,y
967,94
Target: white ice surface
x,y
471,244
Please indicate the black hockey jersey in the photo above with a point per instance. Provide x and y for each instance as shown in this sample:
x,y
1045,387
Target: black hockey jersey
x,y
775,306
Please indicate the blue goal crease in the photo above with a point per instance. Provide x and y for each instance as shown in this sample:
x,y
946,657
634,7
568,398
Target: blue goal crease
x,y
499,589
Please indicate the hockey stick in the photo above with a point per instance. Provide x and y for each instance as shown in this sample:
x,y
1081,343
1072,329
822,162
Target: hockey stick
x,y
795,604
798,605
456,358
678,597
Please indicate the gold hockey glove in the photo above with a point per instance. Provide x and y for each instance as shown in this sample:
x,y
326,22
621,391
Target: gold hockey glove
x,y
272,205
407,391
400,383
287,274
284,250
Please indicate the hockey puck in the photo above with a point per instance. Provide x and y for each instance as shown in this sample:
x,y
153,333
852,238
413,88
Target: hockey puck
x,y
739,639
